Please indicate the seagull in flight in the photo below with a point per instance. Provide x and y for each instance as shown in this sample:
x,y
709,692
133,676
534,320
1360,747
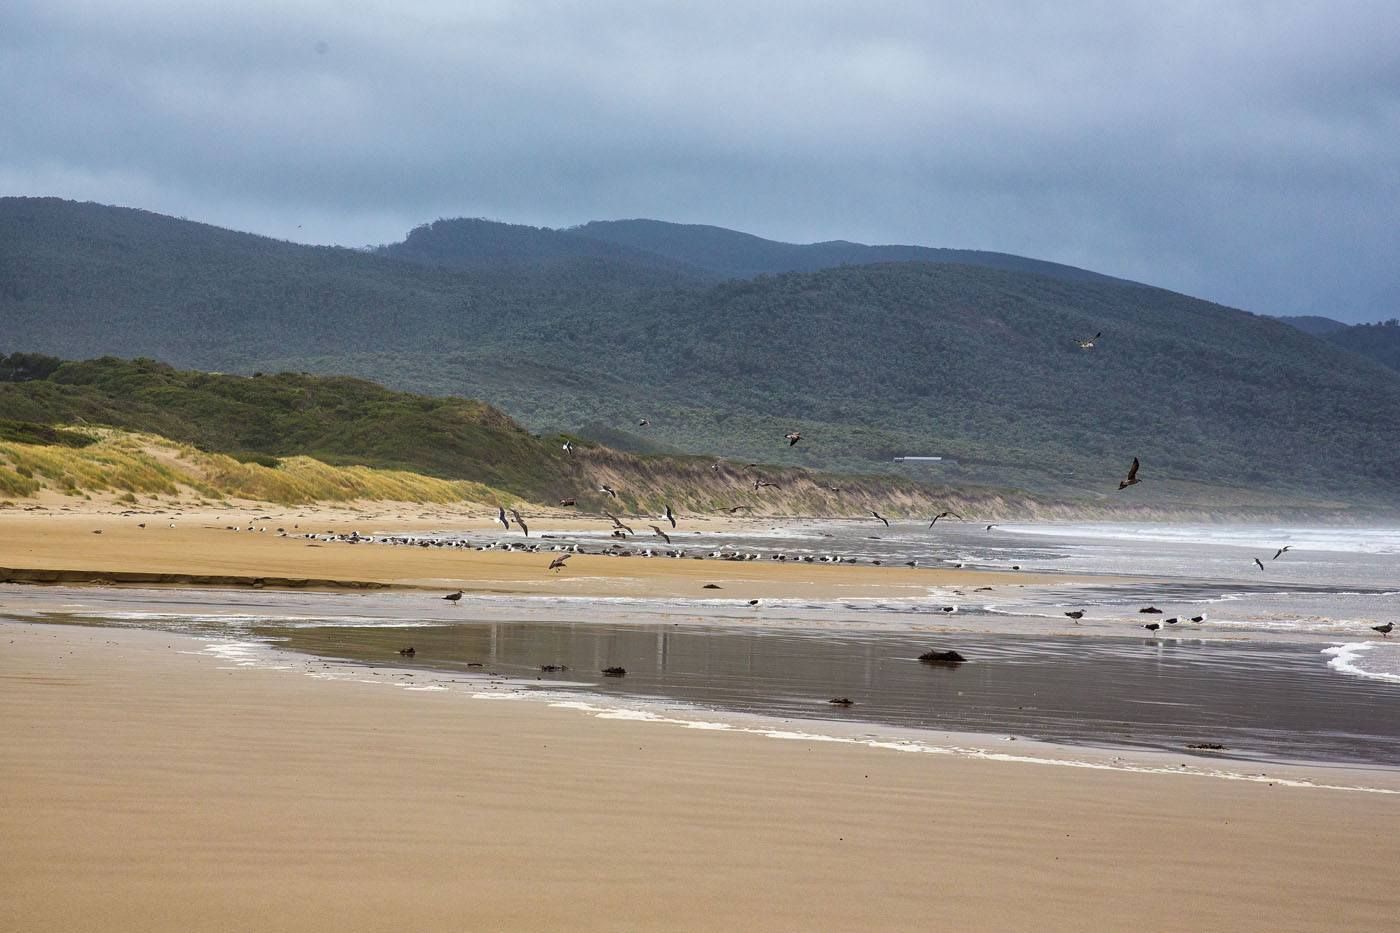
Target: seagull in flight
x,y
735,508
568,447
618,524
568,502
990,527
1132,479
944,515
1281,551
520,521
792,437
661,534
608,489
501,517
669,516
643,423
1258,564
880,517
558,563
760,483
1089,343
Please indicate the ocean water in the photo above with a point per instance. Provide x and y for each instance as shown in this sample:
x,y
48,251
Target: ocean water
x,y
1285,667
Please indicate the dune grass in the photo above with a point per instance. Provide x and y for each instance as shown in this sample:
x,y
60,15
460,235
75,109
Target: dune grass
x,y
131,465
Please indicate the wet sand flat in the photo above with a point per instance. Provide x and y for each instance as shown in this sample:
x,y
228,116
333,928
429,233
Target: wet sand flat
x,y
150,786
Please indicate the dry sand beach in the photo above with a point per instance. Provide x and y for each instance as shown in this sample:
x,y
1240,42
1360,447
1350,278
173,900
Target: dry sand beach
x,y
154,784
101,542
151,786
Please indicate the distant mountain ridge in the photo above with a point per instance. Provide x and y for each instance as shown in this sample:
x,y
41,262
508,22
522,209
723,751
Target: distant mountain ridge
x,y
974,363
732,254
1379,341
699,252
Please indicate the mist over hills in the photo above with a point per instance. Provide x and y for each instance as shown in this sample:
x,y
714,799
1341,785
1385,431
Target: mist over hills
x,y
610,322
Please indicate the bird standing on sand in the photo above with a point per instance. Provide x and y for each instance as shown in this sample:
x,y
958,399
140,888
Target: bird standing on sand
x,y
1132,479
608,489
1152,626
792,437
1385,630
501,517
880,517
1281,551
944,515
1076,615
453,597
661,534
1258,563
1089,344
669,516
1198,618
558,563
520,521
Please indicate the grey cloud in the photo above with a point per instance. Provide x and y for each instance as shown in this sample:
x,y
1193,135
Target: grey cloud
x,y
1242,152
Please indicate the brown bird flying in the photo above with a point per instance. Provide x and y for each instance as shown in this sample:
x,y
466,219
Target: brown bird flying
x,y
1132,479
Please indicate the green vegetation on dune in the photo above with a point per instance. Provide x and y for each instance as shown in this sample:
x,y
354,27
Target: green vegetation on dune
x,y
336,420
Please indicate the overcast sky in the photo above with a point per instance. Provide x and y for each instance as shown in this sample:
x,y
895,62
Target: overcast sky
x,y
1247,152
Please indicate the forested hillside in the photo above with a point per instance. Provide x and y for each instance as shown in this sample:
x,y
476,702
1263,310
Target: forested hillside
x,y
975,364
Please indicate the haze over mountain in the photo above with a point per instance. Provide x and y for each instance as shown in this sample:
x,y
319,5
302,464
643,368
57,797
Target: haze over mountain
x,y
974,363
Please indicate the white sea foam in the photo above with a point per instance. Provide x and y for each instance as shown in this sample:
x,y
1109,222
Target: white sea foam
x,y
1368,659
1349,540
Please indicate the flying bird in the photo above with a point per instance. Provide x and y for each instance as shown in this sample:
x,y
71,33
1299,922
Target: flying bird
x,y
501,517
608,489
662,534
669,516
1132,479
1281,551
618,524
643,423
760,483
1258,564
558,563
520,521
568,447
735,508
832,488
990,527
1089,343
568,502
1385,630
880,517
944,515
792,437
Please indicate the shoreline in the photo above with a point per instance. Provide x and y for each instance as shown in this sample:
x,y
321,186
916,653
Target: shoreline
x,y
151,786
